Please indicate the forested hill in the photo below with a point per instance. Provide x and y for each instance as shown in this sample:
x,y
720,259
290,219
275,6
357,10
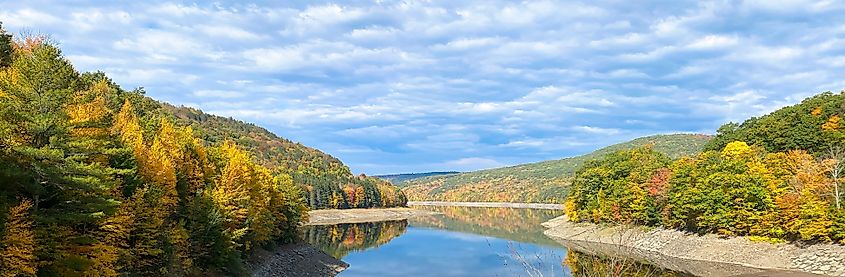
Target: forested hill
x,y
96,180
327,182
399,179
545,181
271,150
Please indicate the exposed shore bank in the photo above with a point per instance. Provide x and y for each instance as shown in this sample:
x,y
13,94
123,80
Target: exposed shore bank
x,y
294,260
488,205
708,255
326,217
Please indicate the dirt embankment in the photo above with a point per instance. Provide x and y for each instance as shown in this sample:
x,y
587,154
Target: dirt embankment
x,y
326,217
295,260
489,205
708,255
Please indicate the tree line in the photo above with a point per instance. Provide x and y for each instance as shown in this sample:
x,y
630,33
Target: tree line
x,y
326,181
781,188
97,180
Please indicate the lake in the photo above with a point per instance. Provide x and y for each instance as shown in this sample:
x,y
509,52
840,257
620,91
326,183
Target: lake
x,y
461,241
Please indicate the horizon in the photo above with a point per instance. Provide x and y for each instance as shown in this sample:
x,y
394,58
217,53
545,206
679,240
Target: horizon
x,y
418,87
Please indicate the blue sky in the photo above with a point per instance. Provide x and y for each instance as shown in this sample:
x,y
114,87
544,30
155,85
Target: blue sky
x,y
412,86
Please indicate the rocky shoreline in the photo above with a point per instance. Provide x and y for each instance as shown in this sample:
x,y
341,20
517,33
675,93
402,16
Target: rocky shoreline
x,y
294,260
708,255
489,205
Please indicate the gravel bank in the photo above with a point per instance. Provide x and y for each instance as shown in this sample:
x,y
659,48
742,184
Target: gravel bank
x,y
489,205
295,260
326,217
707,255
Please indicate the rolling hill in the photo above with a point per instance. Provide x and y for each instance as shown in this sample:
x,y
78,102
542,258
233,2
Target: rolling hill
x,y
325,179
404,177
545,181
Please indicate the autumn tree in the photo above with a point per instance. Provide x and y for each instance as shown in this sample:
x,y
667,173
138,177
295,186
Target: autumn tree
x,y
18,243
614,188
120,184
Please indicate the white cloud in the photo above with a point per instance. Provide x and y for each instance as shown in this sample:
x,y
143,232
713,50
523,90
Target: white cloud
x,y
596,130
713,42
89,20
218,94
474,163
444,81
466,44
28,18
223,31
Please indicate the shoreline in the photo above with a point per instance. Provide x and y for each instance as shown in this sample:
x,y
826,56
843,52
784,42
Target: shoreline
x,y
707,255
296,259
303,259
544,206
328,217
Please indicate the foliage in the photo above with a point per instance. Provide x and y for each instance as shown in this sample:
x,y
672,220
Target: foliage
x,y
813,125
740,190
773,178
18,242
5,47
546,182
97,180
323,178
615,188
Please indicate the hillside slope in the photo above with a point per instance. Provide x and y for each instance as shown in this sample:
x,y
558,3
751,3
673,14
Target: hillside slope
x,y
536,182
401,178
326,181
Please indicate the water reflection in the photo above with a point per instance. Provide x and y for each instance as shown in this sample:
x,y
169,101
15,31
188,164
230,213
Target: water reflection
x,y
581,264
465,241
339,240
521,225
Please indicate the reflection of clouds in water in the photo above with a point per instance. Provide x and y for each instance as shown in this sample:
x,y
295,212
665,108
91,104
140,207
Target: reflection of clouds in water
x,y
466,237
433,252
522,225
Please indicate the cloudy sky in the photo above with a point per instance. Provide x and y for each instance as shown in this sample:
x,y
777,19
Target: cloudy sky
x,y
411,86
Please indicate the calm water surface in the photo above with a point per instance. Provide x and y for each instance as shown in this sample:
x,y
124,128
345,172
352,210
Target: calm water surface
x,y
462,241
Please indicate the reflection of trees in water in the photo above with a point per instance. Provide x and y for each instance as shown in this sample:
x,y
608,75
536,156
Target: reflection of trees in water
x,y
522,225
586,265
340,239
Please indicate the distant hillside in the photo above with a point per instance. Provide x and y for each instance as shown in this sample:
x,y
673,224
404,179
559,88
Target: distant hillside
x,y
328,183
545,181
400,178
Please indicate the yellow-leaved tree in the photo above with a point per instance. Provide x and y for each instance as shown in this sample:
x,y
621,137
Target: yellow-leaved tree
x,y
231,191
18,244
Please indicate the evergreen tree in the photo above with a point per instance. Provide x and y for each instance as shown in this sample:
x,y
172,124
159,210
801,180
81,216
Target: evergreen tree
x,y
5,47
